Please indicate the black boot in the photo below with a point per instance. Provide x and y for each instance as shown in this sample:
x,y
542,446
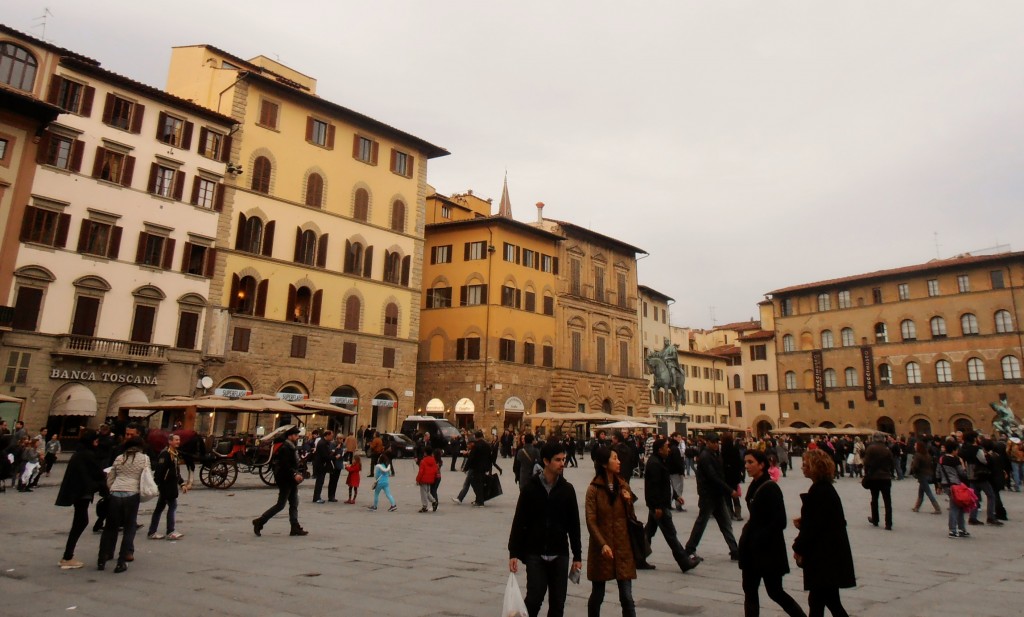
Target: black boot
x,y
298,531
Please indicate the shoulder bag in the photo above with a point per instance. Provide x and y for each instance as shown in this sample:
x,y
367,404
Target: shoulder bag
x,y
147,485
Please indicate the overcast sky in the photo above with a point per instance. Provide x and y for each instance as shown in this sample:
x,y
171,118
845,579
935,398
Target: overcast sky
x,y
746,145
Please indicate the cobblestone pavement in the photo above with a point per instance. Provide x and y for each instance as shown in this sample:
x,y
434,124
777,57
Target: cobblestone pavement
x,y
454,562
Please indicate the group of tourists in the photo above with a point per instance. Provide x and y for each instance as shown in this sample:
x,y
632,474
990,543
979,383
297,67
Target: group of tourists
x,y
25,459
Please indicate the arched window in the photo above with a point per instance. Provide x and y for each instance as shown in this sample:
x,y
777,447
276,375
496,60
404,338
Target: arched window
x,y
847,334
788,343
884,374
913,372
737,381
252,235
398,215
315,191
881,333
305,249
1011,367
1004,323
790,380
17,67
943,371
261,169
968,324
353,308
908,330
826,340
244,301
938,326
361,210
354,258
301,308
392,267
391,319
824,302
830,378
975,369
850,374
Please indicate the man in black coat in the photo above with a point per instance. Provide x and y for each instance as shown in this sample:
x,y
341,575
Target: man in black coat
x,y
878,469
545,526
478,465
625,453
288,476
658,496
712,493
322,458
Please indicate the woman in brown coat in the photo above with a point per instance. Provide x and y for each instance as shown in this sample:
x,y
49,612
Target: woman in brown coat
x,y
610,557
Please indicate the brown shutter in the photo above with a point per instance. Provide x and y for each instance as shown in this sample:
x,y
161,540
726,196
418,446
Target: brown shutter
x,y
462,296
203,133
115,242
142,326
54,91
87,96
309,128
225,149
108,108
519,298
394,155
348,257
261,297
151,187
483,294
517,255
465,253
433,255
268,239
140,251
186,136
355,146
97,163
43,148
188,324
160,122
194,200
77,149
63,223
185,256
218,198
406,263
129,171
290,309
138,110
368,262
314,311
410,166
26,223
554,261
240,233
373,152
211,262
179,184
330,137
83,235
298,244
168,253
321,256
235,284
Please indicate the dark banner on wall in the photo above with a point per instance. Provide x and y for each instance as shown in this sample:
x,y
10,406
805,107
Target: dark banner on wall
x,y
867,360
819,380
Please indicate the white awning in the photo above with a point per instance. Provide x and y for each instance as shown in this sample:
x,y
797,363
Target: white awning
x,y
129,395
73,399
465,406
435,404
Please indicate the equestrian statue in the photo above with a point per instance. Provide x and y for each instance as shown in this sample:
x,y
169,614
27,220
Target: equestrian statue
x,y
668,375
1006,421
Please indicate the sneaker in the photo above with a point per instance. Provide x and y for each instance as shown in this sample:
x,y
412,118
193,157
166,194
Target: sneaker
x,y
422,510
393,508
456,500
156,536
963,533
70,564
372,508
175,535
954,534
319,501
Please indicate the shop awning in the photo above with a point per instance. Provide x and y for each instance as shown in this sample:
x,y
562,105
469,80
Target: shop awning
x,y
435,405
74,400
125,397
465,406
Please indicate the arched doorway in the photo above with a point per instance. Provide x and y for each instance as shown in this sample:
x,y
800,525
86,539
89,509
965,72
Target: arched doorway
x,y
763,428
886,425
435,408
464,410
384,413
963,424
606,406
514,410
922,427
345,397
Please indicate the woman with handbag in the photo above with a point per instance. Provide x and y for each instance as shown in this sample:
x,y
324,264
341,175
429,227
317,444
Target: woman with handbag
x,y
82,479
762,547
123,480
952,471
609,506
168,480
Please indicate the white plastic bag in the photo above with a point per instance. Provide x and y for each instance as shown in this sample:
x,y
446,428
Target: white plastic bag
x,y
513,605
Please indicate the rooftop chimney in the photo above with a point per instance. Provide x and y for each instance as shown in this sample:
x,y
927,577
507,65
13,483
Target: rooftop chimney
x,y
540,212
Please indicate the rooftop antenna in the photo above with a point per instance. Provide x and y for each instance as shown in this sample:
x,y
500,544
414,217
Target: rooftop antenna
x,y
41,21
711,310
936,235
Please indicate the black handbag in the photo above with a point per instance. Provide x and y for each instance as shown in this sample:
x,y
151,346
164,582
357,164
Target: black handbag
x,y
638,540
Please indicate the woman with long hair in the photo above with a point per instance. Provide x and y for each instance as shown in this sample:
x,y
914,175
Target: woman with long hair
x,y
762,547
609,505
822,547
923,468
123,504
82,479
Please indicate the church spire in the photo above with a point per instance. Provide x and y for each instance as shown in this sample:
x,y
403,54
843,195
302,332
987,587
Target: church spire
x,y
505,207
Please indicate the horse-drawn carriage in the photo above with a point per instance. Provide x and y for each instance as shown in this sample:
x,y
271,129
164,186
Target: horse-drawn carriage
x,y
220,468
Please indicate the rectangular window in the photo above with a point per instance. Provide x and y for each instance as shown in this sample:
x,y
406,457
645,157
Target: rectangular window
x,y
997,279
162,182
549,305
599,285
467,348
319,133
401,163
446,212
240,339
623,301
173,131
577,351
365,149
99,238
473,295
601,368
574,277
548,356
188,327
194,260
71,96
348,353
298,346
963,283
510,296
530,302
17,367
441,254
758,352
760,383
213,145
786,307
903,291
151,250
707,373
475,250
43,226
876,295
530,258
439,297
528,353
87,311
205,193
645,308
389,357
844,299
60,151
122,113
509,252
507,350
739,409
933,287
623,358
268,114
26,308
142,323
113,166
546,263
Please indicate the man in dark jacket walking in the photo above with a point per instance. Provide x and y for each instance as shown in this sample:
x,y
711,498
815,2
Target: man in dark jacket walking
x,y
878,469
545,526
478,465
322,458
288,477
712,493
658,496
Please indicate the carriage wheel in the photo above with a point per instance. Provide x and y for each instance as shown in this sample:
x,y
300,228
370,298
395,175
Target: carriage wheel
x,y
267,474
219,474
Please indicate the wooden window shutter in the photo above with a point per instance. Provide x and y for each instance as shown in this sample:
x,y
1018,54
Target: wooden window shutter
x,y
151,186
218,198
211,262
309,128
54,91
77,149
160,122
462,295
433,255
225,149
554,261
483,294
63,223
348,353
142,326
290,310
355,146
140,251
203,133
194,199
43,148
430,299
108,108
168,253
261,297
330,136
186,136
374,148
240,234
314,311
410,165
97,163
460,349
114,248
465,253
138,111
185,256
26,308
519,298
517,254
406,266
188,325
87,97
129,171
368,262
83,235
179,184
348,257
321,252
298,245
394,157
268,239
236,283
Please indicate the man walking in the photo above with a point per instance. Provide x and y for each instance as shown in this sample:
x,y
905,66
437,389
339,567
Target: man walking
x,y
288,477
478,464
712,493
322,457
878,469
658,496
528,458
545,526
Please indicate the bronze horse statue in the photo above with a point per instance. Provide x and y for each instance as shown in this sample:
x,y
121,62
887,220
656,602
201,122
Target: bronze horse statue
x,y
667,378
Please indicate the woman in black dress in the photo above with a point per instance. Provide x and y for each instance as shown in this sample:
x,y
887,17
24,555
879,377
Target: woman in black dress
x,y
762,547
822,548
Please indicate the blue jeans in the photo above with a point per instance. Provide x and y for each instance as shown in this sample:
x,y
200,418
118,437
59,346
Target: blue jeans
x,y
924,489
172,507
1018,474
956,515
984,488
546,577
